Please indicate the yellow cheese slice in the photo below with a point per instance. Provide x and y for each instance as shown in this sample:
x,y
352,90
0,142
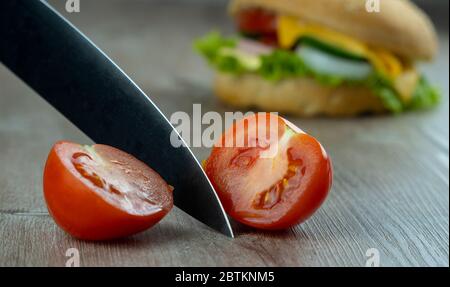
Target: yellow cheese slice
x,y
290,29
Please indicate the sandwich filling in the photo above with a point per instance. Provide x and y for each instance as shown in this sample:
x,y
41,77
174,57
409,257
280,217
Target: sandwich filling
x,y
282,47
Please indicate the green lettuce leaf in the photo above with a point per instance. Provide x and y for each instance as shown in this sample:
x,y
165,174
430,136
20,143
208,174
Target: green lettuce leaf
x,y
210,47
383,88
283,64
425,96
280,65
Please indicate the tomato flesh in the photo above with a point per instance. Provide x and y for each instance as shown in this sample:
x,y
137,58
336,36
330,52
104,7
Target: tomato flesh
x,y
271,192
99,192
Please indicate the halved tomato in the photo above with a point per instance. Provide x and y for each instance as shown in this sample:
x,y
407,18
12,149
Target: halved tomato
x,y
99,192
270,182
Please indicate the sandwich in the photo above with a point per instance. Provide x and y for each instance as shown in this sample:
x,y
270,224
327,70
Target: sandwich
x,y
323,57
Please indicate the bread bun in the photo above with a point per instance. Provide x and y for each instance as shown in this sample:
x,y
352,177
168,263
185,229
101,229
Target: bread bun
x,y
400,26
302,96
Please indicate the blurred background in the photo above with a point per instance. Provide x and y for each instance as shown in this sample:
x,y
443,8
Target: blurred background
x,y
152,41
391,172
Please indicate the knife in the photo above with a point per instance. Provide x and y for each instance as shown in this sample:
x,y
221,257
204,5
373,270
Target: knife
x,y
72,74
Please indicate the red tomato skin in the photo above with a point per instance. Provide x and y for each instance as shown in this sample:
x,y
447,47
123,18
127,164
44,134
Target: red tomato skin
x,y
83,213
257,21
309,199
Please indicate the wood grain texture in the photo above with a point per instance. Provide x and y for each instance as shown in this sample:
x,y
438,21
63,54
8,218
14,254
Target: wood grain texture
x,y
391,173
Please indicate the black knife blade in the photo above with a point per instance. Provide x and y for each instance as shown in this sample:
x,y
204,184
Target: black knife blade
x,y
71,73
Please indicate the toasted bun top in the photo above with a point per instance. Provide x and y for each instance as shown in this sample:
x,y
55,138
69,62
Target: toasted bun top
x,y
400,26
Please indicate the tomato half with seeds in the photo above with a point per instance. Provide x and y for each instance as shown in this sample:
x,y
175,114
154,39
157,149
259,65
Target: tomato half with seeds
x,y
99,192
276,179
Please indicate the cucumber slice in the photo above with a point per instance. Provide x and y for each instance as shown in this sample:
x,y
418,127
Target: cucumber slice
x,y
325,63
329,48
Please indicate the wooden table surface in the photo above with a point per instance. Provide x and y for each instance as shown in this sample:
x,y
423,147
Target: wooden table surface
x,y
391,181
